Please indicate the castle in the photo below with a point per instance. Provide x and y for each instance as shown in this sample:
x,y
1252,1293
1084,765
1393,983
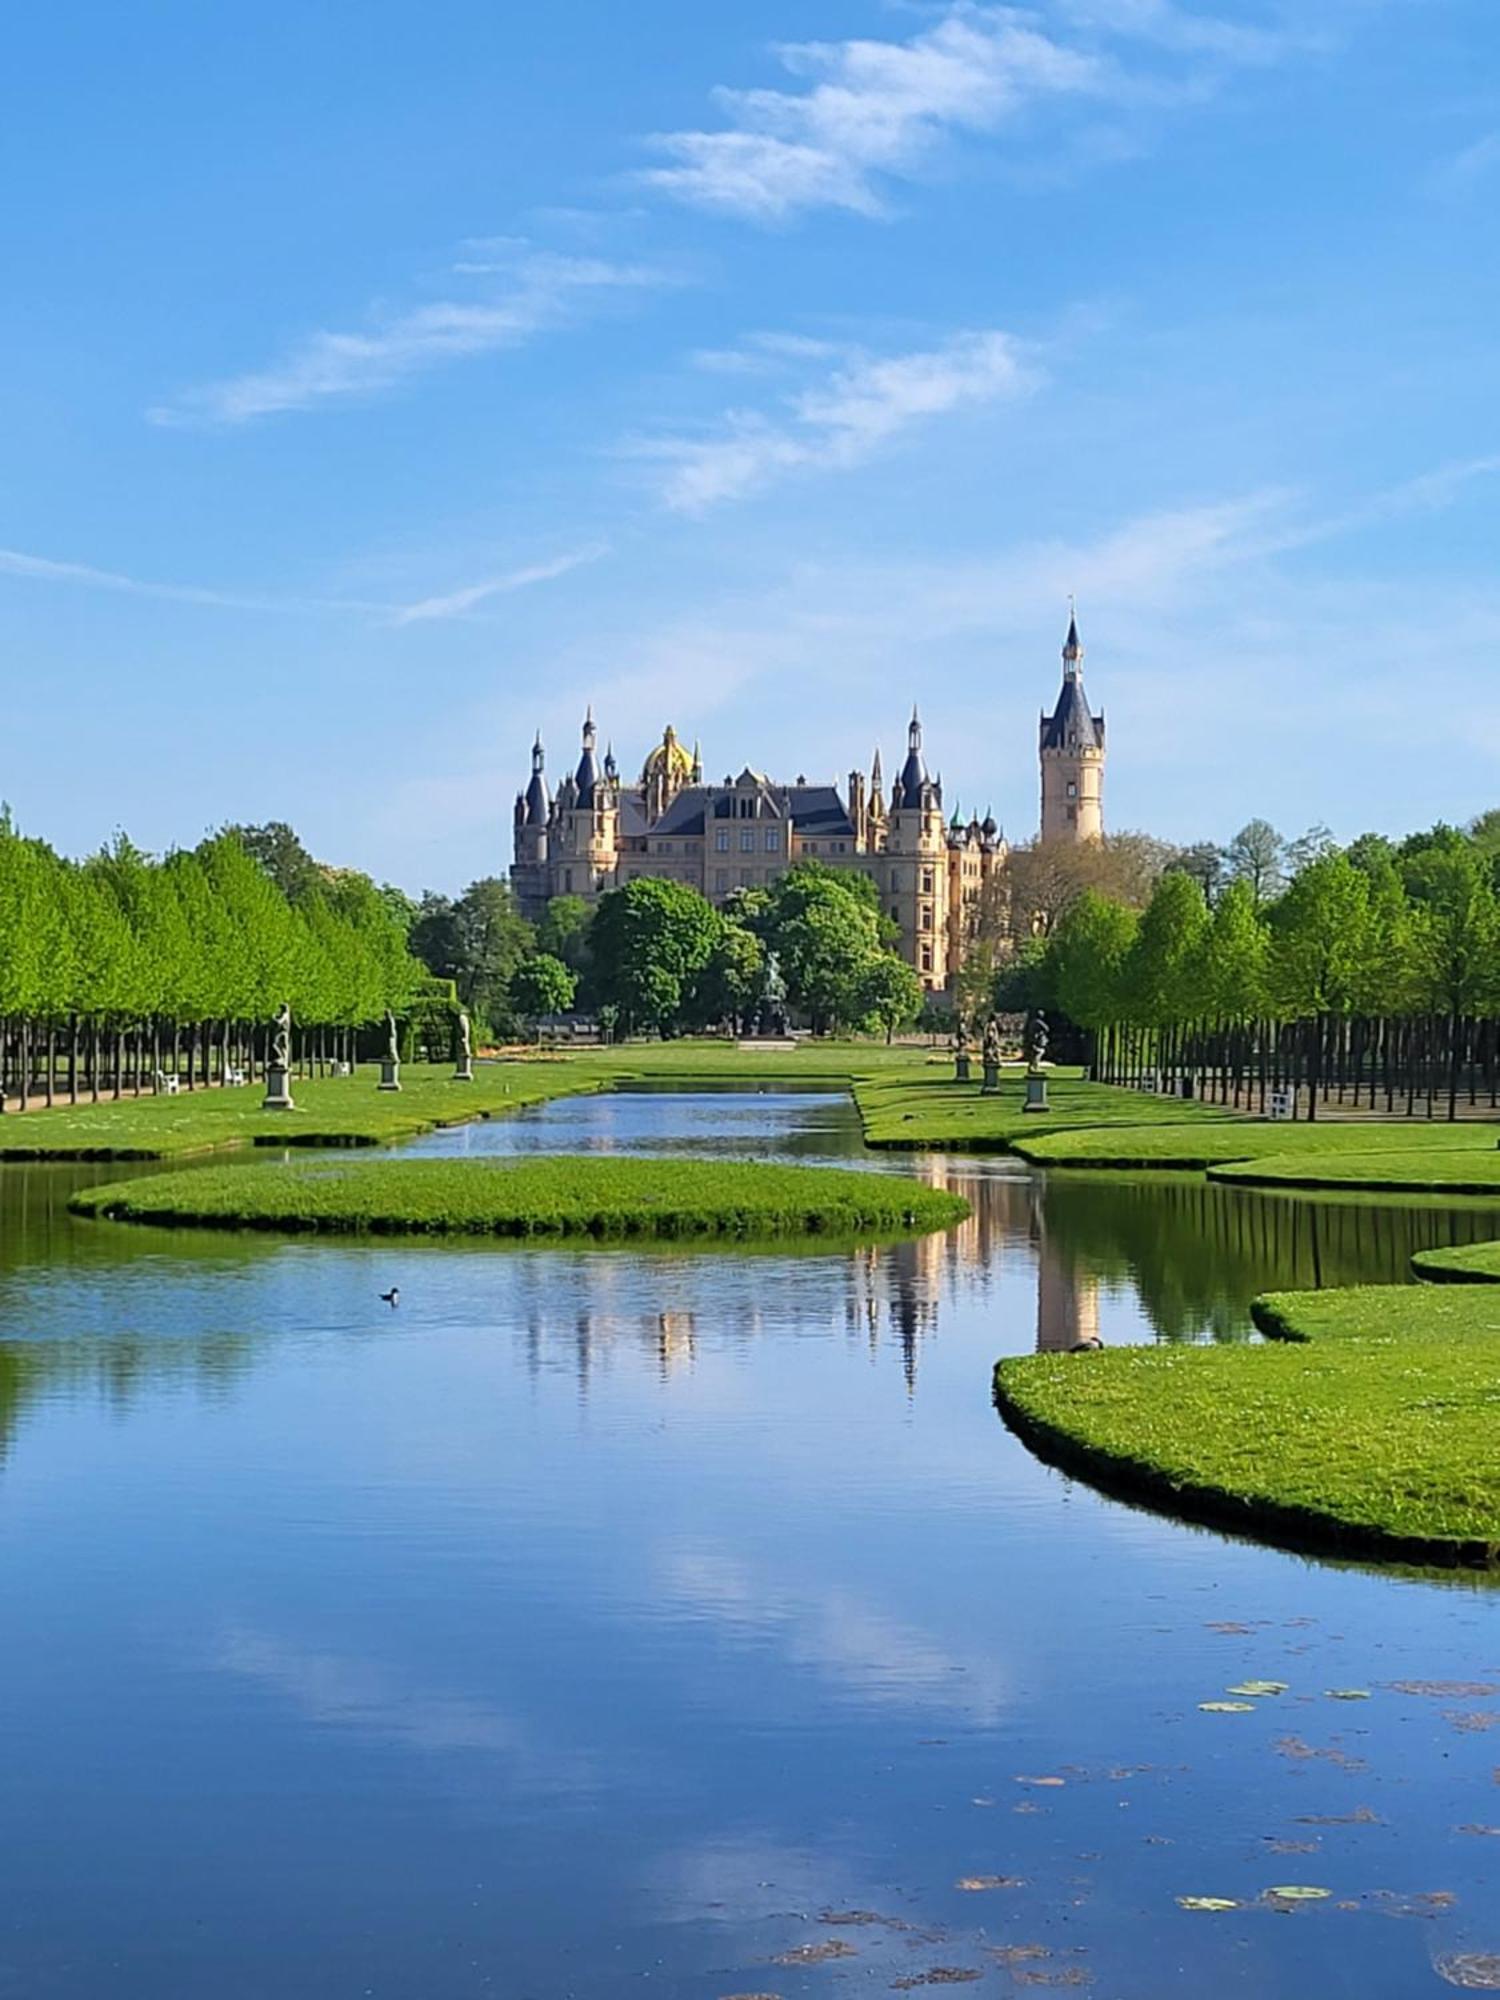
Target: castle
x,y
931,873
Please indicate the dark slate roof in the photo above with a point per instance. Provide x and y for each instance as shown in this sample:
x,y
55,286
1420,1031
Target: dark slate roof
x,y
537,803
1070,725
908,788
632,813
587,775
684,816
817,809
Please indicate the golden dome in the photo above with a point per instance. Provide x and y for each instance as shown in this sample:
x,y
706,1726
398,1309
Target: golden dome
x,y
668,757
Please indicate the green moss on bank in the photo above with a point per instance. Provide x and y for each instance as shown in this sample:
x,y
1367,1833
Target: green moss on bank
x,y
1366,1426
538,1197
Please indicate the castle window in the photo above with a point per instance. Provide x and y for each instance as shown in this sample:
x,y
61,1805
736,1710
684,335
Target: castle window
x,y
927,916
1072,789
926,881
721,879
773,840
927,958
747,808
895,913
747,878
721,840
809,847
747,841
567,881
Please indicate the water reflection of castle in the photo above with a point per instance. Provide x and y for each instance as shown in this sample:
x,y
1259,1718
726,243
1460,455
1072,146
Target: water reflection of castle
x,y
1046,1264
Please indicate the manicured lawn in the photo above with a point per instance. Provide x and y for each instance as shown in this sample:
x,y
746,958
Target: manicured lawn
x,y
1469,1264
928,1108
330,1112
1208,1143
589,1196
1368,1426
1454,1159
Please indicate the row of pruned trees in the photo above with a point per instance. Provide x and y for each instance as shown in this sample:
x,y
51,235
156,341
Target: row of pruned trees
x,y
1371,981
120,970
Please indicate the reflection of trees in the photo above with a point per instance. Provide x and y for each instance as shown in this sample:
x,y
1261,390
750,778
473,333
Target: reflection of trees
x,y
1198,1252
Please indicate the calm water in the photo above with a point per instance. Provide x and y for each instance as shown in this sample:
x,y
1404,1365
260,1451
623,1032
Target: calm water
x,y
606,1622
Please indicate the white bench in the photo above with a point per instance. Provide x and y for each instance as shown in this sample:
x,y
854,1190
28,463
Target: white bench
x,y
234,1076
1281,1104
168,1085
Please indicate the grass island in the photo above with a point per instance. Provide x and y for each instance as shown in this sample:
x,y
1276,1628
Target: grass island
x,y
531,1198
1363,1426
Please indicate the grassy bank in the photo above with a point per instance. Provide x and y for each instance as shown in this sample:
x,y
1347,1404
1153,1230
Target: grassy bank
x,y
1469,1264
1226,1140
926,1108
1365,1427
333,1111
529,1198
1438,1164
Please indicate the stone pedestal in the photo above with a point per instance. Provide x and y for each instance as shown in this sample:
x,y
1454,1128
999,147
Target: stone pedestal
x,y
465,1071
991,1079
962,1068
390,1074
278,1095
1036,1092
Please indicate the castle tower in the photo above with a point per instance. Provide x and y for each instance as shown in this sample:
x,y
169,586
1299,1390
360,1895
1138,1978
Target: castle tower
x,y
1072,756
876,807
915,878
532,828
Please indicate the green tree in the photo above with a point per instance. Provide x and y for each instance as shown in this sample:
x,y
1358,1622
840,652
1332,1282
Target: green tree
x,y
541,985
1163,969
890,993
649,941
564,931
1456,939
281,854
1257,855
1087,955
729,983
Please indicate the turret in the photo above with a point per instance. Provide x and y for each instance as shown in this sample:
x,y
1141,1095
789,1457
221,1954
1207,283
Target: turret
x,y
587,774
533,811
1071,743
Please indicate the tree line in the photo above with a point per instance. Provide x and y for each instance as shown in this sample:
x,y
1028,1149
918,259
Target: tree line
x,y
655,956
1367,976
120,969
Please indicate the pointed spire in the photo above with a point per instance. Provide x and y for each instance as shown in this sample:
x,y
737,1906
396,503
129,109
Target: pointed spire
x,y
1072,645
876,778
538,754
697,761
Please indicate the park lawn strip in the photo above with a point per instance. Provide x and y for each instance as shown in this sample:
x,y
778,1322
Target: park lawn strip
x,y
330,1111
1445,1164
1209,1144
1470,1264
538,1197
1365,1427
928,1109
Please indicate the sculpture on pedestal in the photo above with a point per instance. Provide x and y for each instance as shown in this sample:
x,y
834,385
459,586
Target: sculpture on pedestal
x,y
390,1062
464,1070
1037,1038
961,1064
278,1095
990,1051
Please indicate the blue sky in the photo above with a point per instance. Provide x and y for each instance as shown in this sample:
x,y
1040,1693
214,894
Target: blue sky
x,y
379,384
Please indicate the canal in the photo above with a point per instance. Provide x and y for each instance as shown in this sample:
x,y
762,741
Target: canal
x,y
606,1621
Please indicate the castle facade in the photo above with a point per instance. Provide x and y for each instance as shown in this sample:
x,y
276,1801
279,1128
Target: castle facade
x,y
931,873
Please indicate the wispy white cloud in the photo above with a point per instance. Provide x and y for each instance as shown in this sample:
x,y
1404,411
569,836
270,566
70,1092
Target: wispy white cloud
x,y
863,113
529,292
44,569
458,602
1463,171
841,421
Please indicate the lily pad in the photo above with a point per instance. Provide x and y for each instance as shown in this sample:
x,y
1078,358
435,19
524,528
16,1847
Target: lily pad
x,y
1299,1892
1227,1707
1347,1694
1475,1971
1260,1687
1207,1903
977,1882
